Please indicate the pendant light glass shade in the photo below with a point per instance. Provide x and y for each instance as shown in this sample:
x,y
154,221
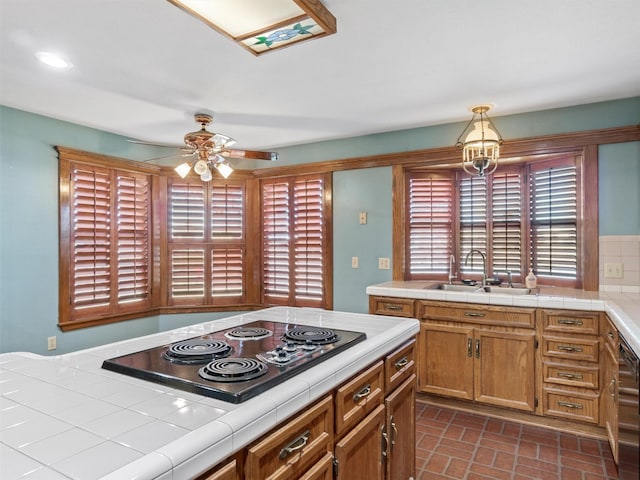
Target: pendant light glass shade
x,y
183,169
481,146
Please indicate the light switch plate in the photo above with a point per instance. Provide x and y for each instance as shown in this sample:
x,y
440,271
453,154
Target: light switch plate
x,y
384,263
362,218
354,262
613,270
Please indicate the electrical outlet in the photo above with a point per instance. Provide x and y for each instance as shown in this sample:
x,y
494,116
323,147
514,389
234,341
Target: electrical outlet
x,y
362,218
613,270
354,262
52,343
384,263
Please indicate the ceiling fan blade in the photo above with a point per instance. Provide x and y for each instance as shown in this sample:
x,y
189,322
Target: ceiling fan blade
x,y
174,155
164,145
249,154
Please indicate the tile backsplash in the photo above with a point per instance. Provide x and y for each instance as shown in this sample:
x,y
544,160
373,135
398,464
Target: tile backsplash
x,y
619,251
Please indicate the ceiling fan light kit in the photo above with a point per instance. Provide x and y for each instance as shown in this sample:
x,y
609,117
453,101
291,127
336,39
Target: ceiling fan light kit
x,y
211,149
262,26
481,145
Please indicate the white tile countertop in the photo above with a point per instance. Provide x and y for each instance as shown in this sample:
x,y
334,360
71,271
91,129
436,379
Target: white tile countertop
x,y
622,308
64,417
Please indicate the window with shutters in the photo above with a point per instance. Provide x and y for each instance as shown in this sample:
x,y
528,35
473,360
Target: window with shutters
x,y
296,241
105,234
206,242
524,215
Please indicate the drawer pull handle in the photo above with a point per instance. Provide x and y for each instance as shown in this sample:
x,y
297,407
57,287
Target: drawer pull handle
x,y
395,308
364,393
474,314
478,348
295,445
572,376
469,348
569,348
577,406
610,335
403,362
566,321
612,387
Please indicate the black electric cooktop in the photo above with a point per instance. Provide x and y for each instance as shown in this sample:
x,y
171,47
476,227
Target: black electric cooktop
x,y
238,363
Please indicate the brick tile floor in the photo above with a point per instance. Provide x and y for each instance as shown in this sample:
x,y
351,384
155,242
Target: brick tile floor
x,y
458,445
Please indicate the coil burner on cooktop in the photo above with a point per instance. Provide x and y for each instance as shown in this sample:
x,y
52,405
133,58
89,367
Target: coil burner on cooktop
x,y
238,363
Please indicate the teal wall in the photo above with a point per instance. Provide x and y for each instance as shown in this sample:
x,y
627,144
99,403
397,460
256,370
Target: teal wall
x,y
619,188
29,211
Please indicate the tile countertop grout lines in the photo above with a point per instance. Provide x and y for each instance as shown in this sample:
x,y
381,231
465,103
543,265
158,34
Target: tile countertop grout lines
x,y
622,308
117,426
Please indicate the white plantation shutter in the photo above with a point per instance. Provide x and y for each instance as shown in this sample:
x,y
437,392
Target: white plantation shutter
x,y
110,225
430,215
506,238
554,213
473,221
294,241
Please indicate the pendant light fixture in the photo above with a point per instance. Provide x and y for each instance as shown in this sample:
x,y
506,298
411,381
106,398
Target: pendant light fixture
x,y
481,146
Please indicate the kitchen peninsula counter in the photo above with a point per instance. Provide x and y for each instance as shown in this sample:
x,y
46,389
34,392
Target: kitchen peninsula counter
x,y
622,308
64,417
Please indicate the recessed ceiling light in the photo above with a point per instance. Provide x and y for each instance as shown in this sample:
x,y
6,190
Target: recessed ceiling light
x,y
53,60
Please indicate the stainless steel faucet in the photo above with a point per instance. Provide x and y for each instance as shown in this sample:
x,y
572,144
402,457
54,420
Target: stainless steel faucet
x,y
452,275
484,264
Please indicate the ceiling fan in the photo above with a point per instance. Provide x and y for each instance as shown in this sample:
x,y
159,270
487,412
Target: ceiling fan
x,y
211,151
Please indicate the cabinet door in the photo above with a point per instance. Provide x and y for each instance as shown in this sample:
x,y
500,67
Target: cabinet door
x,y
359,453
505,368
610,398
446,360
401,431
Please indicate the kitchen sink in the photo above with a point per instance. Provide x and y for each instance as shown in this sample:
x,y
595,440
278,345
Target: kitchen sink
x,y
455,287
508,290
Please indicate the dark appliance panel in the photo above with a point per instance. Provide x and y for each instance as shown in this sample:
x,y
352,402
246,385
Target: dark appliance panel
x,y
238,363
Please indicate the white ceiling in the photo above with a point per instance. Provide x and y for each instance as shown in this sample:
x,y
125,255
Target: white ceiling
x,y
142,68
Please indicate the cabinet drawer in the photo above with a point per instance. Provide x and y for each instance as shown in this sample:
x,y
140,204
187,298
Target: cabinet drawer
x,y
292,449
571,321
571,405
571,375
397,307
473,313
359,396
571,348
399,366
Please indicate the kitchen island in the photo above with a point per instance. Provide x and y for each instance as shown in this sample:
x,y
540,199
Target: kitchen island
x,y
66,417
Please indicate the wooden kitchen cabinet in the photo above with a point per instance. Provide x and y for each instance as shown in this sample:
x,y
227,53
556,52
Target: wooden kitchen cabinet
x,y
400,431
396,307
609,403
228,471
571,381
297,449
486,361
358,455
